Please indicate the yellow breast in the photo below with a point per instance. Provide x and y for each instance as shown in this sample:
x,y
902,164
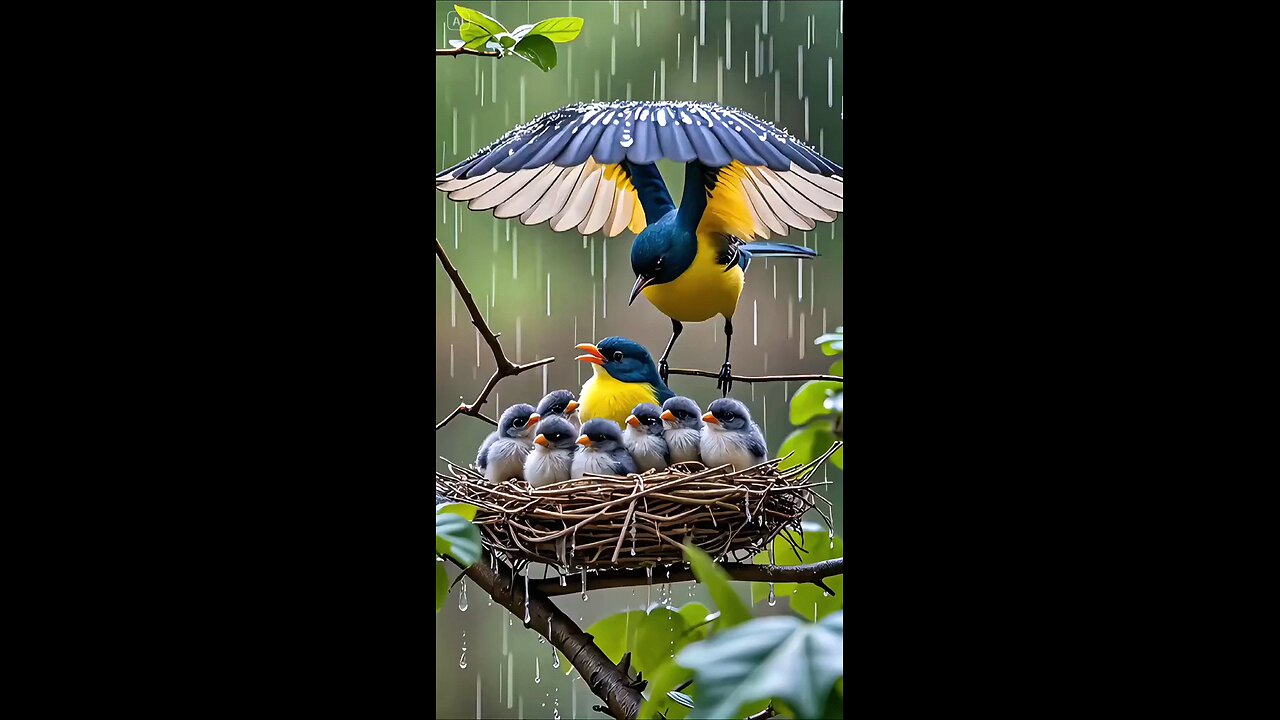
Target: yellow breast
x,y
701,292
604,397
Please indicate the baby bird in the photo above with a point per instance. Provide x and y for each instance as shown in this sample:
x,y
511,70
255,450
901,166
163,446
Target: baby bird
x,y
603,452
560,403
730,437
643,438
682,429
501,457
551,458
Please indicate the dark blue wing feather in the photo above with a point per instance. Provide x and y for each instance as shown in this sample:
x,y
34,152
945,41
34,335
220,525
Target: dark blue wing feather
x,y
646,148
675,144
608,150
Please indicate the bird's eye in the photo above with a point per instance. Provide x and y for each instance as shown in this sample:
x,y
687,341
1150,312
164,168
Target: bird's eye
x,y
729,417
519,422
617,356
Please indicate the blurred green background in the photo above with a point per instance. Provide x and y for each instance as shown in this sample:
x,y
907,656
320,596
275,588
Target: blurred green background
x,y
545,291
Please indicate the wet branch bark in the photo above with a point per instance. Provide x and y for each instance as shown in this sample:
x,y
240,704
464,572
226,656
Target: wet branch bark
x,y
464,51
607,681
505,368
756,378
813,574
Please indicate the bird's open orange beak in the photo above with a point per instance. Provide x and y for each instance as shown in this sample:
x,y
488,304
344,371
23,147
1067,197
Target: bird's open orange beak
x,y
541,440
593,355
668,416
633,421
584,441
533,419
710,418
573,405
642,282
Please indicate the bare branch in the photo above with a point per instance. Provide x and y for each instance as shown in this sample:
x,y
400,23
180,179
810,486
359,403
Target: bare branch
x,y
464,51
737,571
764,714
756,378
505,368
606,680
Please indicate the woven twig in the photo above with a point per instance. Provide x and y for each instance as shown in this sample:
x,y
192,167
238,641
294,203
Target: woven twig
x,y
725,512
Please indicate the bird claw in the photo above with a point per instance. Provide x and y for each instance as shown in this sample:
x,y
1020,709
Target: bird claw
x,y
724,382
662,370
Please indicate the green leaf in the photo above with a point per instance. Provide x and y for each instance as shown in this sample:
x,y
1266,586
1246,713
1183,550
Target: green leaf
x,y
732,611
838,368
664,680
474,36
465,511
808,401
559,30
783,657
457,538
695,618
442,585
807,596
818,547
484,21
833,348
615,635
507,40
808,443
521,31
661,633
537,50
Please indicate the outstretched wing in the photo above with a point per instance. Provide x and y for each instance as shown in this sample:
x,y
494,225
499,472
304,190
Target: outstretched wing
x,y
756,202
568,166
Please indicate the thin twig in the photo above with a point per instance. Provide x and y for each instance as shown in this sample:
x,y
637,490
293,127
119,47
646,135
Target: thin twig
x,y
764,714
756,378
813,574
464,51
605,679
505,368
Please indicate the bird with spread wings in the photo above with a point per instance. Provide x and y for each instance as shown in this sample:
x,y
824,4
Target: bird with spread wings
x,y
590,168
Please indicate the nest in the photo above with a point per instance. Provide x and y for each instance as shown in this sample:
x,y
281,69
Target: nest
x,y
641,520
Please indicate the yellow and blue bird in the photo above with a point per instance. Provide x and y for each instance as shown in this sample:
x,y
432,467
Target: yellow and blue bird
x,y
623,376
591,168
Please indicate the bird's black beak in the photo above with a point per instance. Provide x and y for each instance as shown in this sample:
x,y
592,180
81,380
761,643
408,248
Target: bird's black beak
x,y
642,282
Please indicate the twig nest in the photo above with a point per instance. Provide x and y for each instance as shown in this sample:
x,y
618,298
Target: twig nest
x,y
642,519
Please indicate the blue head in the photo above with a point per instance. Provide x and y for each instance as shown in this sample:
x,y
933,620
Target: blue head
x,y
625,361
661,253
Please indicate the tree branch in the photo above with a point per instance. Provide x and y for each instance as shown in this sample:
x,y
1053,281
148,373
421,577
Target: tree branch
x,y
756,378
813,574
606,680
464,51
505,368
764,714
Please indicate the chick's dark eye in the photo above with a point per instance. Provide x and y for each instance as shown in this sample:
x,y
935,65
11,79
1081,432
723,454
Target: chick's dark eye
x,y
617,355
519,422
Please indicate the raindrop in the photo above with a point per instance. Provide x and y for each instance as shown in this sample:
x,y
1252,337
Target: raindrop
x,y
584,584
831,539
526,599
648,592
462,597
555,659
830,97
555,715
511,663
800,72
563,582
702,28
478,715
462,661
764,13
537,671
773,600
633,541
695,63
728,42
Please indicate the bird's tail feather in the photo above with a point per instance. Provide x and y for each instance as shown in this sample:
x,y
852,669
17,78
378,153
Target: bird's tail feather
x,y
772,249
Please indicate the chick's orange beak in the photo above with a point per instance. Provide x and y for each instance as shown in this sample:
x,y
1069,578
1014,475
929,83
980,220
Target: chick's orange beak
x,y
633,421
584,441
533,419
710,418
573,405
593,355
541,440
668,416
